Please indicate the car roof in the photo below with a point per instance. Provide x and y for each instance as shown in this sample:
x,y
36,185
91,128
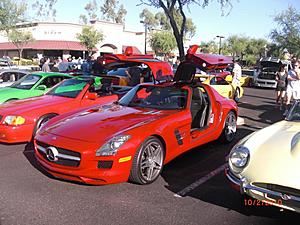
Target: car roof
x,y
49,74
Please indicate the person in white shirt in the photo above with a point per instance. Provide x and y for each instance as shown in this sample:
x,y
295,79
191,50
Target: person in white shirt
x,y
293,85
236,73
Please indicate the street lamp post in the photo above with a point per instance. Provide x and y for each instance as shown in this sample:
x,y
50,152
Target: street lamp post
x,y
220,42
146,29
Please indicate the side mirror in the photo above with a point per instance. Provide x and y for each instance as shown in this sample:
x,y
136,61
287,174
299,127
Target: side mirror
x,y
91,96
41,87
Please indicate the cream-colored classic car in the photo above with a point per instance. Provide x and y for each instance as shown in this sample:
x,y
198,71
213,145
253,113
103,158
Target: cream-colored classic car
x,y
265,165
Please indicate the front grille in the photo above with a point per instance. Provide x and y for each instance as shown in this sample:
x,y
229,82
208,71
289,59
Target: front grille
x,y
279,188
65,157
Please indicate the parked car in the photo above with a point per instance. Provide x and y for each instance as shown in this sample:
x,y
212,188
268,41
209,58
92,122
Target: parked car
x,y
211,71
5,63
8,77
133,138
21,119
225,88
151,69
248,77
31,85
267,74
264,165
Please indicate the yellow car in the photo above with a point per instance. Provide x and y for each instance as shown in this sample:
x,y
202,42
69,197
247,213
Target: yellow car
x,y
265,164
247,78
222,86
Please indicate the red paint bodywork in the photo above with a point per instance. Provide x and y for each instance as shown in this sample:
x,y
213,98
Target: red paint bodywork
x,y
34,108
85,132
156,66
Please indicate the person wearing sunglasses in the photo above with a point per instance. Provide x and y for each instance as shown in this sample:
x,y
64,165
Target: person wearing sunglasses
x,y
293,84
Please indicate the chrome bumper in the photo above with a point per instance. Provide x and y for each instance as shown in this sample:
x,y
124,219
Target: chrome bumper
x,y
287,201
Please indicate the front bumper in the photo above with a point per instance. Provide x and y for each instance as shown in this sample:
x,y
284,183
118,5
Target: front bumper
x,y
266,84
282,200
16,134
88,170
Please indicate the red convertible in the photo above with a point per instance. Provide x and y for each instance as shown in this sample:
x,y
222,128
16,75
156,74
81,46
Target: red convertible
x,y
21,119
133,138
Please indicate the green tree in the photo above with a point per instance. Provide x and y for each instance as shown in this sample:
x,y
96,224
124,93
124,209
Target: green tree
x,y
209,47
111,11
11,13
287,35
20,39
91,10
148,18
162,42
237,45
89,37
45,10
170,7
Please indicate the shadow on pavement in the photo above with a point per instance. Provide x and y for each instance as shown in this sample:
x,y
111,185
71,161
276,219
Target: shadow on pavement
x,y
29,154
197,163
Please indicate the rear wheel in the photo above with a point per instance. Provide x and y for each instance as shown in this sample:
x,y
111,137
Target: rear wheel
x,y
148,162
229,130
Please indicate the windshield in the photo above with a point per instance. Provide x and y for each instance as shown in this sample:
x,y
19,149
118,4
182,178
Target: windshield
x,y
118,72
69,88
156,97
26,82
294,114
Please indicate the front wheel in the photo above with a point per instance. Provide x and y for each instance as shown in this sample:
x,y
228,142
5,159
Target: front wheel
x,y
229,130
148,162
41,122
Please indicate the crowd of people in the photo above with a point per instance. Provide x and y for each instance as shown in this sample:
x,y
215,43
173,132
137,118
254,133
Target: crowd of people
x,y
58,64
288,85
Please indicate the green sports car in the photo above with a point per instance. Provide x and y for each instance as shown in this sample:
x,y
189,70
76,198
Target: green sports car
x,y
31,85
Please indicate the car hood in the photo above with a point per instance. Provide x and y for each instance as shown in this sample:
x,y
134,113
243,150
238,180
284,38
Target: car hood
x,y
275,155
102,123
22,106
8,92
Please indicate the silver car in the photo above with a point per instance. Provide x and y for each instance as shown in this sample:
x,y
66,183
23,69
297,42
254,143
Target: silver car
x,y
8,76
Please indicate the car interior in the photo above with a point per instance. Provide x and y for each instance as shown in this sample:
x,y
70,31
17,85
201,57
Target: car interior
x,y
107,88
199,108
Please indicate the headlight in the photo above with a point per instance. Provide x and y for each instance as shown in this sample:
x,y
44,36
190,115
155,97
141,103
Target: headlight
x,y
239,156
112,146
14,120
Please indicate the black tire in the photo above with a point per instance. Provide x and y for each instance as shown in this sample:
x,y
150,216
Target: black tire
x,y
229,130
148,162
41,121
236,96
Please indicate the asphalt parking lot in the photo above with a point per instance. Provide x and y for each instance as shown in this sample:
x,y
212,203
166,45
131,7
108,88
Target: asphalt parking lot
x,y
191,190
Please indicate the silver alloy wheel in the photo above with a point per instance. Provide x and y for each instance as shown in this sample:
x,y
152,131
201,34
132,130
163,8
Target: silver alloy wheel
x,y
230,126
151,161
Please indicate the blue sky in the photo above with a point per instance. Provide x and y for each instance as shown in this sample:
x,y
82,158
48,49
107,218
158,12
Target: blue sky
x,y
252,18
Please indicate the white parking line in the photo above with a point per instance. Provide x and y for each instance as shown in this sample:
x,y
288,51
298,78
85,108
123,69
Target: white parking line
x,y
202,180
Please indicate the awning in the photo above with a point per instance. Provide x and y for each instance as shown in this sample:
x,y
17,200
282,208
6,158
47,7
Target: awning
x,y
47,45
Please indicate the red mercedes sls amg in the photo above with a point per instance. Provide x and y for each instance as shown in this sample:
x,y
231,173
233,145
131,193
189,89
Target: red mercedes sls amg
x,y
133,138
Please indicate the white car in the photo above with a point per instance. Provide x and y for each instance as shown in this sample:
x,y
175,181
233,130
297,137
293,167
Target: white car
x,y
8,77
265,165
